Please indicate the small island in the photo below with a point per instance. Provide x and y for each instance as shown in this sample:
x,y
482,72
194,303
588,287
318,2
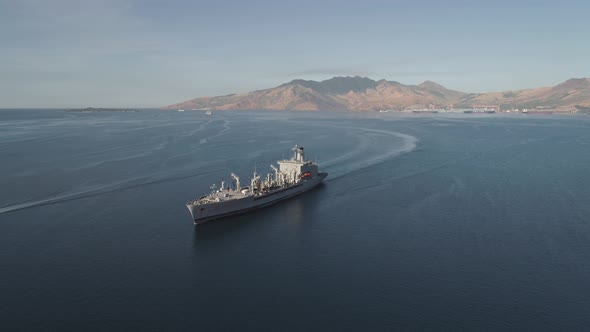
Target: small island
x,y
92,109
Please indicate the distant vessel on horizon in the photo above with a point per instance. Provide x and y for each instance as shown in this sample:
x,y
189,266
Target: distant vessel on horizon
x,y
181,110
293,177
208,112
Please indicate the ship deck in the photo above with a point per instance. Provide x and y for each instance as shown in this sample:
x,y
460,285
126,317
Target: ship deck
x,y
219,196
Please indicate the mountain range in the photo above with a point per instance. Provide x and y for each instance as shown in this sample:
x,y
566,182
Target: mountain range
x,y
363,94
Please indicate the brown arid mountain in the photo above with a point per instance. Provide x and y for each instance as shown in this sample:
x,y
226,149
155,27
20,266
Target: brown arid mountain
x,y
571,93
364,94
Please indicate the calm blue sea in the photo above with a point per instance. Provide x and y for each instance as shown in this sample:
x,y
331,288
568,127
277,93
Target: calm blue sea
x,y
438,222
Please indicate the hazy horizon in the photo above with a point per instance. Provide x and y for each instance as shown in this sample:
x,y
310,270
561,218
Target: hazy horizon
x,y
154,53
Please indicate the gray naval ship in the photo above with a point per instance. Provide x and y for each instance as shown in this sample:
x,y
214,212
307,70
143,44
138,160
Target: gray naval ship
x,y
293,177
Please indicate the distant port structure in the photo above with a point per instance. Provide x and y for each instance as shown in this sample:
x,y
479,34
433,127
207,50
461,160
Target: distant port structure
x,y
483,108
486,108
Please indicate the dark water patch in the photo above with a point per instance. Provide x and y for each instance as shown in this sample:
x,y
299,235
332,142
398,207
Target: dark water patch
x,y
424,223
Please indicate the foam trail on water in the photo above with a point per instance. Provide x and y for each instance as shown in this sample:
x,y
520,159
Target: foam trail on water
x,y
225,130
100,190
357,158
373,146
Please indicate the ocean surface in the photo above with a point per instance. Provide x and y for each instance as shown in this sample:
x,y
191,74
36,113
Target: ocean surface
x,y
439,222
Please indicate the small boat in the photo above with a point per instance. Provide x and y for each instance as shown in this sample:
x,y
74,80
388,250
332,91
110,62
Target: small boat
x,y
181,110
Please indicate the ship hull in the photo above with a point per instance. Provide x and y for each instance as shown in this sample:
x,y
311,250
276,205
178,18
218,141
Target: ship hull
x,y
212,211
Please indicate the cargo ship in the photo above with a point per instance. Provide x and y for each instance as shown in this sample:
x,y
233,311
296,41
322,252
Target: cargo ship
x,y
293,176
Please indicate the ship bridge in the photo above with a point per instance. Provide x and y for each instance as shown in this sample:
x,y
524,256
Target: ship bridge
x,y
297,167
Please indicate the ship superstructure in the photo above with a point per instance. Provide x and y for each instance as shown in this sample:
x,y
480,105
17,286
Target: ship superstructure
x,y
292,177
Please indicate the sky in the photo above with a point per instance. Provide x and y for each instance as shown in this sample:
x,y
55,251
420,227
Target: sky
x,y
151,53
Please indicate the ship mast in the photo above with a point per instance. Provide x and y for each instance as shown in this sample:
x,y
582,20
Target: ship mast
x,y
298,154
255,183
276,173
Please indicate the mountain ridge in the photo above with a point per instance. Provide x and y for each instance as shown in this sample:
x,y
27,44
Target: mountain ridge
x,y
361,94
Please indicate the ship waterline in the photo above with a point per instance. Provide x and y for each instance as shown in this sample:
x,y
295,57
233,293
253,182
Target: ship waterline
x,y
293,177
